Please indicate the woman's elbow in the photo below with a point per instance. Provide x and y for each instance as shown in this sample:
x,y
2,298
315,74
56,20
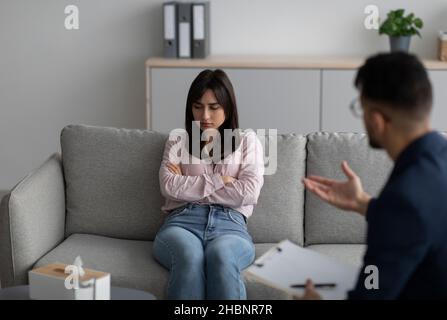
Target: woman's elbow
x,y
251,198
166,190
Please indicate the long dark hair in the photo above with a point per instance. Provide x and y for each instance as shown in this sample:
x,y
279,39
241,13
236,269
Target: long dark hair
x,y
218,82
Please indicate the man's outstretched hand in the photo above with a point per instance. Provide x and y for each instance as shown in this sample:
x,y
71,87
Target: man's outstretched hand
x,y
346,195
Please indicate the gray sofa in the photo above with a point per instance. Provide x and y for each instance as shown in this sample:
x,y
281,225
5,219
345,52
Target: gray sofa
x,y
101,200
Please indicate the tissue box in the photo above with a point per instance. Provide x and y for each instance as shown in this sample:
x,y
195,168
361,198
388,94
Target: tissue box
x,y
443,46
48,283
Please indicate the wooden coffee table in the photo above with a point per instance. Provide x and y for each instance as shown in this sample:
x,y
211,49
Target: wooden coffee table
x,y
116,293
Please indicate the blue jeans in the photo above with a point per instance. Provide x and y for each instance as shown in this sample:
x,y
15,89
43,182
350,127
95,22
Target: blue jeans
x,y
205,247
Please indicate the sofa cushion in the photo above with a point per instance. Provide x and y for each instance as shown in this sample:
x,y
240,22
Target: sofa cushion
x,y
112,185
111,177
325,153
131,264
279,212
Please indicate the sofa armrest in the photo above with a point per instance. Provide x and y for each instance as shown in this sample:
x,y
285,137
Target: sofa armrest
x,y
32,221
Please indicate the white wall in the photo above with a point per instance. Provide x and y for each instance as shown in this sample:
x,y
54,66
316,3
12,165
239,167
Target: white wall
x,y
315,27
51,77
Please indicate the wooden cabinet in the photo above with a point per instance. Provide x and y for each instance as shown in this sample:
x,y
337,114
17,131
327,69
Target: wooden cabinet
x,y
169,87
287,100
291,94
337,92
439,113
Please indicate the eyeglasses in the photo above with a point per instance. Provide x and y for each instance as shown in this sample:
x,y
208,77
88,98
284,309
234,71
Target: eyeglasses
x,y
356,108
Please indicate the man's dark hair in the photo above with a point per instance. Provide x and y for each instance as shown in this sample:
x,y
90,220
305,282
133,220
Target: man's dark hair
x,y
399,80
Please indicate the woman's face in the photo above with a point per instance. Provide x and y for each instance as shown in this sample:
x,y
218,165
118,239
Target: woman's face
x,y
208,111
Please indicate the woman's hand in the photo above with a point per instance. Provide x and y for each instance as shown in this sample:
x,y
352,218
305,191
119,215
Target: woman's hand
x,y
227,179
174,168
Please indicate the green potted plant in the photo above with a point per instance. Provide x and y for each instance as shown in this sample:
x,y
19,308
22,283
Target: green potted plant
x,y
400,29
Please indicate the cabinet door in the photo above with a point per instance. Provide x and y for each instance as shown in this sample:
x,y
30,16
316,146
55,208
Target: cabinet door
x,y
439,113
337,93
287,100
169,90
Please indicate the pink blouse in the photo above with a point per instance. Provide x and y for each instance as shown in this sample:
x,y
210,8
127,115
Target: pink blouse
x,y
201,183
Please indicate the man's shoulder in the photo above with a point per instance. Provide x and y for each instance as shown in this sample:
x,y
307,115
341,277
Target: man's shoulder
x,y
421,185
429,170
428,166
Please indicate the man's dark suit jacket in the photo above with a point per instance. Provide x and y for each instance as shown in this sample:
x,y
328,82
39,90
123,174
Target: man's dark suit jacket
x,y
407,226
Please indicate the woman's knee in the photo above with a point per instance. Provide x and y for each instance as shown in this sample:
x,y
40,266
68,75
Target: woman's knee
x,y
180,245
229,251
220,255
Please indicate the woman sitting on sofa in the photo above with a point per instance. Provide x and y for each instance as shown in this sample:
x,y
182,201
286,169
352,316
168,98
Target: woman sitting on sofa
x,y
204,240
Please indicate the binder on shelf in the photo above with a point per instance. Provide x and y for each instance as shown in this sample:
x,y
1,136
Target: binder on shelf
x,y
287,266
200,29
170,29
184,19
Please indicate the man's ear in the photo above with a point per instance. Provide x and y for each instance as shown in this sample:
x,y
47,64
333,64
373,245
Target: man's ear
x,y
378,122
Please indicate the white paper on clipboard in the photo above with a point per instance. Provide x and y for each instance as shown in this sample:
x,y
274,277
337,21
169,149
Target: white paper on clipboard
x,y
287,263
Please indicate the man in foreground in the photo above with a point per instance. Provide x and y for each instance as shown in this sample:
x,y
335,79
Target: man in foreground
x,y
407,222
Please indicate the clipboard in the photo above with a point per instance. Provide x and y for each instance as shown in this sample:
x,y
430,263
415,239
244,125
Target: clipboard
x,y
287,264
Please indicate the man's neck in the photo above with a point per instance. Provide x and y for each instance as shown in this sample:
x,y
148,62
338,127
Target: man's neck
x,y
400,141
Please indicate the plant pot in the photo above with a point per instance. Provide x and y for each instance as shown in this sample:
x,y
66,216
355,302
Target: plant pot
x,y
400,43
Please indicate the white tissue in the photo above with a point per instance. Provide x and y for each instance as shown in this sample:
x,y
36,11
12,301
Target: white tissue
x,y
78,263
84,284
